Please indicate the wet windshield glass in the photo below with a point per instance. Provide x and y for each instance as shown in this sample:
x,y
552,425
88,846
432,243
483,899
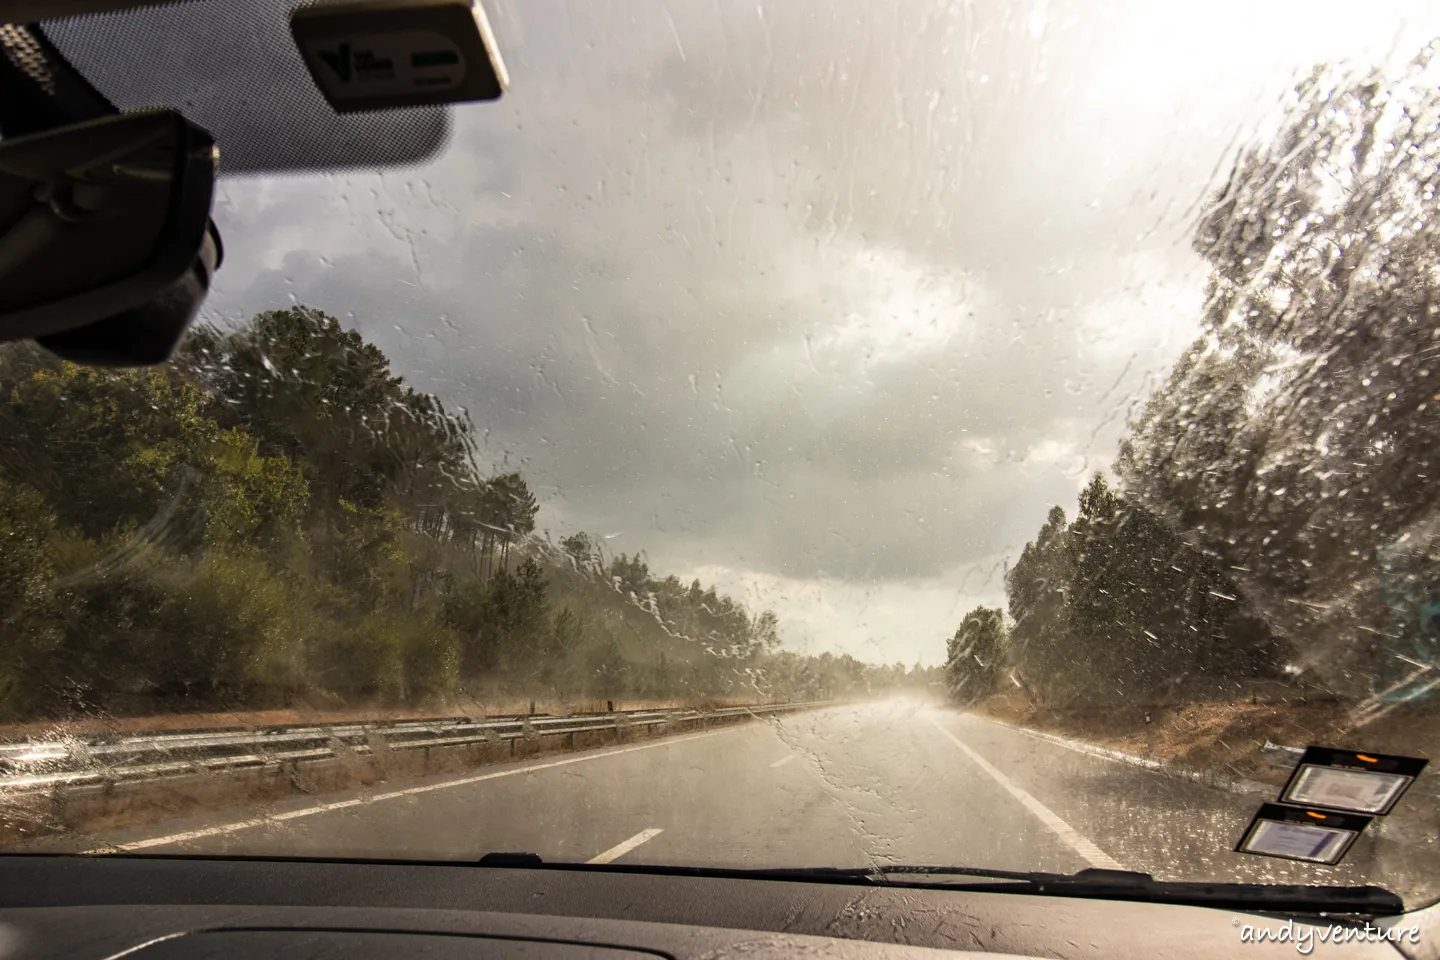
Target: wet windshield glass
x,y
773,434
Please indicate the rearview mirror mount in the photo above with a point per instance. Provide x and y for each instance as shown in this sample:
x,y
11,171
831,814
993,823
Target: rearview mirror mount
x,y
106,244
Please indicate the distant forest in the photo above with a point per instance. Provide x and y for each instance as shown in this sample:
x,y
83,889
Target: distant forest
x,y
1276,511
275,518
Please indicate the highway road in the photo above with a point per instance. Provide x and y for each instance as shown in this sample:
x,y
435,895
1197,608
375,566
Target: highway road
x,y
874,783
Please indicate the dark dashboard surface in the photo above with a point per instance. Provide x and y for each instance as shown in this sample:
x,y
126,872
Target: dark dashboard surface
x,y
102,906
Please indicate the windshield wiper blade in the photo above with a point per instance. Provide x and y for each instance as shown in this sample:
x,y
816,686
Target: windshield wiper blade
x,y
1290,898
901,873
1090,883
1132,885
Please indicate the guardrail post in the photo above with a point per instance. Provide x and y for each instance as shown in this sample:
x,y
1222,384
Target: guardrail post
x,y
57,804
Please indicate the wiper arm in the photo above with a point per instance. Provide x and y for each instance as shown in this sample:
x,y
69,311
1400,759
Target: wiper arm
x,y
1091,883
1287,898
1127,885
1132,885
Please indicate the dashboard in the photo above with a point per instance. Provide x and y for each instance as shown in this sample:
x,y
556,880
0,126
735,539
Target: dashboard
x,y
158,908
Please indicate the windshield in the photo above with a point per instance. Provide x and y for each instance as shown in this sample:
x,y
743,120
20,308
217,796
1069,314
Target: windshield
x,y
998,435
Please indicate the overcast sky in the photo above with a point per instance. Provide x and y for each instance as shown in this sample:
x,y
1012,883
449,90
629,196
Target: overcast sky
x,y
824,302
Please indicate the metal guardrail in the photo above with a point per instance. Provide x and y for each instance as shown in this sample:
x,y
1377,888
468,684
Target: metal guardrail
x,y
37,765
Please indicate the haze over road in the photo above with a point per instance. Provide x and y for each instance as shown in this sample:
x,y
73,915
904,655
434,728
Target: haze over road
x,y
871,783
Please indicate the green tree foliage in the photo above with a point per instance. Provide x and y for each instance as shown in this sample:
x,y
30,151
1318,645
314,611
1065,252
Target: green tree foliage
x,y
1147,611
277,517
1116,606
974,655
1276,508
510,516
584,554
1037,587
107,447
1296,439
503,622
313,391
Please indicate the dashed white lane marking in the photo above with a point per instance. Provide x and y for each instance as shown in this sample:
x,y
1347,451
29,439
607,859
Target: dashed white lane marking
x,y
783,760
1067,834
625,846
189,835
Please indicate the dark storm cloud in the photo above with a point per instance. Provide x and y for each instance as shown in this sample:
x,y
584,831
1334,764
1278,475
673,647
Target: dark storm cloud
x,y
860,482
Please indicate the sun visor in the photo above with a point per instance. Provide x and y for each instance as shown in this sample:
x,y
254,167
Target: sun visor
x,y
234,69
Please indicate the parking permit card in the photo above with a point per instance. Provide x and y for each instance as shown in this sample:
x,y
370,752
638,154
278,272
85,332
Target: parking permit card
x,y
1297,833
1369,783
1297,841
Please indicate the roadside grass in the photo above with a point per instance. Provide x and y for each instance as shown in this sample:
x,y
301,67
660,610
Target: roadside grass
x,y
1229,735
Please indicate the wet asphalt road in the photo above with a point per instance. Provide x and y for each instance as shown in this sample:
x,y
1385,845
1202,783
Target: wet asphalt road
x,y
876,783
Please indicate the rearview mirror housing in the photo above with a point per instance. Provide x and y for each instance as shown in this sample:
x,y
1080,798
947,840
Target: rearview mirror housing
x,y
106,244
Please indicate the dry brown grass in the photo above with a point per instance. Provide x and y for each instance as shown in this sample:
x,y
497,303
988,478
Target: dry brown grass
x,y
1228,735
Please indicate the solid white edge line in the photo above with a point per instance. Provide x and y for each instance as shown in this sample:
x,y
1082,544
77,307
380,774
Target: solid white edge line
x,y
625,846
1219,781
1067,834
783,760
392,795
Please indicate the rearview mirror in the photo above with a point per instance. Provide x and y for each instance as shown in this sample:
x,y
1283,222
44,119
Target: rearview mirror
x,y
106,245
